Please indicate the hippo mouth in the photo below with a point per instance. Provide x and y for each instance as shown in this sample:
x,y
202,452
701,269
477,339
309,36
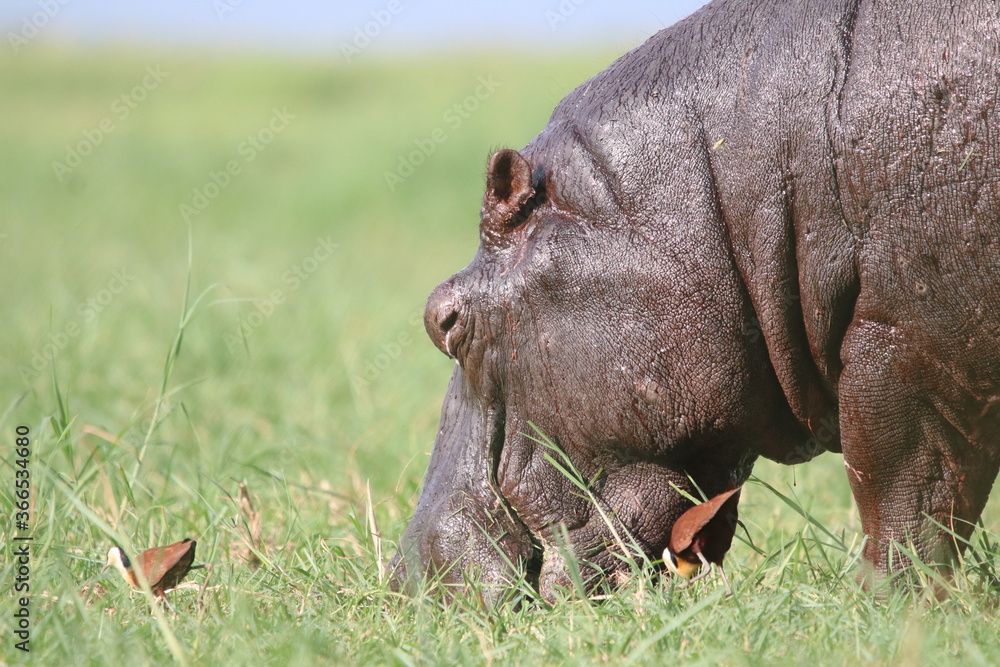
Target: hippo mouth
x,y
462,522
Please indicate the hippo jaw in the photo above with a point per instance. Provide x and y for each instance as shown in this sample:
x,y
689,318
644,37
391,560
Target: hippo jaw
x,y
462,526
499,508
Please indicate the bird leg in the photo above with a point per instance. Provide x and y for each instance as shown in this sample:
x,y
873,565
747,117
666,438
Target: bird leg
x,y
708,570
725,580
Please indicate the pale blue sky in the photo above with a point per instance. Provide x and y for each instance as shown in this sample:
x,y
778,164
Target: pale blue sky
x,y
325,27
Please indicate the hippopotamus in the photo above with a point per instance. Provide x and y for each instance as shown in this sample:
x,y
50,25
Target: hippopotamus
x,y
771,230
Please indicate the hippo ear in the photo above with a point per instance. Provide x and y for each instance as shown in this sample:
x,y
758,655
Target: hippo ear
x,y
508,187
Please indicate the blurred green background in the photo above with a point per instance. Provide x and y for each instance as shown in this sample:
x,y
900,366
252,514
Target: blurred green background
x,y
269,380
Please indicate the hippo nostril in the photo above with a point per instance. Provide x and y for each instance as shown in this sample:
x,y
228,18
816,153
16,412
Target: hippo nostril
x,y
443,319
449,321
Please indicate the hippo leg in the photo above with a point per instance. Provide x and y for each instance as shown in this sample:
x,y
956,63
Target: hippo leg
x,y
920,452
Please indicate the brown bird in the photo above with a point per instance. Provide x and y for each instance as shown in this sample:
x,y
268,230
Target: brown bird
x,y
702,536
164,567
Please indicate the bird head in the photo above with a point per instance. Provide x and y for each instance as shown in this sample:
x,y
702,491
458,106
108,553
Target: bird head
x,y
679,567
118,559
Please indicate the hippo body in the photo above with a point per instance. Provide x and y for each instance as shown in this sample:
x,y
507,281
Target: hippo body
x,y
771,230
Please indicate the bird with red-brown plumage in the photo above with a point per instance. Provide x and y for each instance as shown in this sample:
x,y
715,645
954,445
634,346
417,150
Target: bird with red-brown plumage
x,y
162,567
702,536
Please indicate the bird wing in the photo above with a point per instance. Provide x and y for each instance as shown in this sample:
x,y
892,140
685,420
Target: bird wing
x,y
695,519
164,567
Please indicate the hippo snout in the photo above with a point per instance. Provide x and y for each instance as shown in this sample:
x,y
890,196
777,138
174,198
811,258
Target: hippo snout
x,y
443,318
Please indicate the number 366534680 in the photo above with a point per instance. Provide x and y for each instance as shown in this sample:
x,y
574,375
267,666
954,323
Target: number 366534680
x,y
22,484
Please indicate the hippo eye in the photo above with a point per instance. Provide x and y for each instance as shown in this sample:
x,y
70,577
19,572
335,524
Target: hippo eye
x,y
512,191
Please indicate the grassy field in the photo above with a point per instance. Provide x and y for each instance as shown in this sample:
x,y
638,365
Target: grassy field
x,y
210,281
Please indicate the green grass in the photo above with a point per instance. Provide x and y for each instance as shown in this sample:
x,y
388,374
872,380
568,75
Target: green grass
x,y
273,401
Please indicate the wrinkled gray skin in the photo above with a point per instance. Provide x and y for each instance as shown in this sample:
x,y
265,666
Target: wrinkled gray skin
x,y
771,230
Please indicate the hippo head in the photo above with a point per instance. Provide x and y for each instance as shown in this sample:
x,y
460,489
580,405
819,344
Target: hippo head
x,y
587,334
